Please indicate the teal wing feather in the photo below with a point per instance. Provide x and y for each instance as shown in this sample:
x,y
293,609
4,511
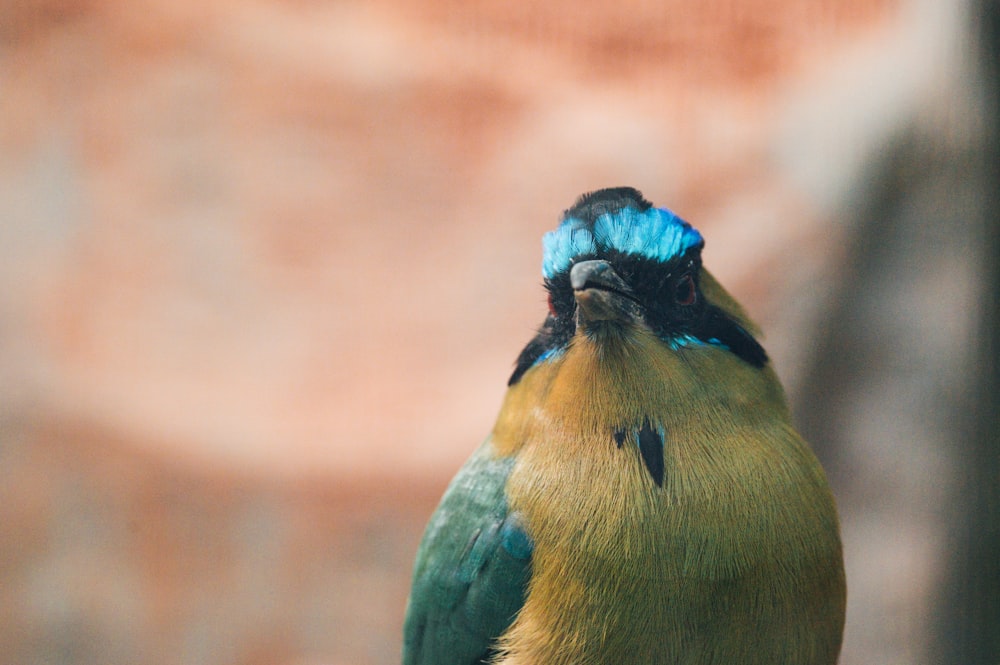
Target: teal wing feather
x,y
471,571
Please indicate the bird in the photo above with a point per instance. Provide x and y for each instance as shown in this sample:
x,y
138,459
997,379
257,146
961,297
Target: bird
x,y
643,496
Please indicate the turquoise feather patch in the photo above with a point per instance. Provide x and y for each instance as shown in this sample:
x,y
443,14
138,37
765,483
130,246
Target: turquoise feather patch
x,y
656,233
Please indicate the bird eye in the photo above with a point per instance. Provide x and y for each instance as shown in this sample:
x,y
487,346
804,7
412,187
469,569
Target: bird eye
x,y
684,291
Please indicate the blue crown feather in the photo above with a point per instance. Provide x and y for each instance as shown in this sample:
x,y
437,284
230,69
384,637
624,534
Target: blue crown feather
x,y
655,233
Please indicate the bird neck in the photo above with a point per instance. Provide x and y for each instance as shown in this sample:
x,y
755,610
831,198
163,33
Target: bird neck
x,y
618,377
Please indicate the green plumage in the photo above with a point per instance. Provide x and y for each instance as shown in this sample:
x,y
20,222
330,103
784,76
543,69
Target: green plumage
x,y
468,586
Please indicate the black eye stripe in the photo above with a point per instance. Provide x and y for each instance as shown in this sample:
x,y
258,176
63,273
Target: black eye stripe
x,y
655,286
561,294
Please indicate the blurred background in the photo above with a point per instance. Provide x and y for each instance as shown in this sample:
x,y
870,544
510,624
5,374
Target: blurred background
x,y
265,266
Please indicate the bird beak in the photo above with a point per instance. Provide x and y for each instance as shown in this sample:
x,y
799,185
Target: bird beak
x,y
601,295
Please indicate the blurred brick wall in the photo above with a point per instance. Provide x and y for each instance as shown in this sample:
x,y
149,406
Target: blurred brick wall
x,y
264,268
269,217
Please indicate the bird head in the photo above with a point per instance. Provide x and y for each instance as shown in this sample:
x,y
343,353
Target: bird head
x,y
615,265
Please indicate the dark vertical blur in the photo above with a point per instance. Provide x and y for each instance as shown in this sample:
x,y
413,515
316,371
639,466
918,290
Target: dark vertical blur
x,y
900,400
968,629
